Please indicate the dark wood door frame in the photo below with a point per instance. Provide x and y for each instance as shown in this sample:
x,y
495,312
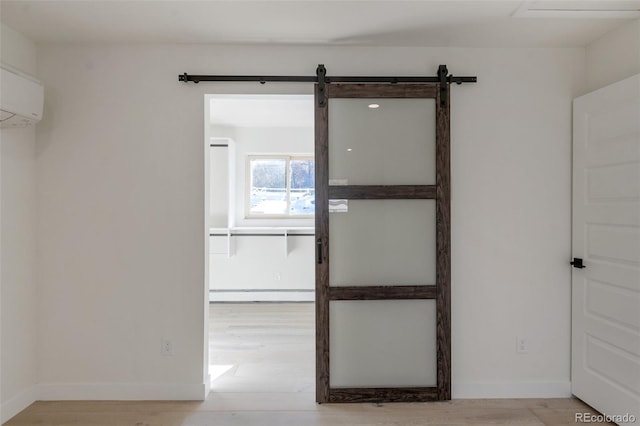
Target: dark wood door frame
x,y
441,291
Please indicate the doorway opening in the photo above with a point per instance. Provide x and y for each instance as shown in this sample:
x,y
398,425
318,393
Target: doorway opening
x,y
261,206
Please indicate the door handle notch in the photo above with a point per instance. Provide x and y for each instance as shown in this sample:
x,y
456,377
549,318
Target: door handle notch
x,y
319,250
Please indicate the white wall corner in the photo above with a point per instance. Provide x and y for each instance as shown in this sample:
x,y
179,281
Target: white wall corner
x,y
14,405
207,386
511,390
121,391
613,57
17,50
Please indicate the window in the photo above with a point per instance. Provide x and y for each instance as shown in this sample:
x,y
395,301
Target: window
x,y
281,186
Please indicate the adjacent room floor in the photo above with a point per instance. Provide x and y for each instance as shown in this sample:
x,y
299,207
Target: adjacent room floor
x,y
264,354
262,347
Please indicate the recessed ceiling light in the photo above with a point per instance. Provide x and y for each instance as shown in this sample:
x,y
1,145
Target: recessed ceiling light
x,y
602,9
349,149
374,106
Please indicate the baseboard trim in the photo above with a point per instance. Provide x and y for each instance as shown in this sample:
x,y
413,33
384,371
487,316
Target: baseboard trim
x,y
121,391
101,392
14,405
511,390
261,296
198,392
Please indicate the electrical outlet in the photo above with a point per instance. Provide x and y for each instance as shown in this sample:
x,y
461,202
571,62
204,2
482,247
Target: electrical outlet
x,y
522,346
167,347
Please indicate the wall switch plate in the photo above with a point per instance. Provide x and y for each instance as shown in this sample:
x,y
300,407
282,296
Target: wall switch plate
x,y
167,347
522,346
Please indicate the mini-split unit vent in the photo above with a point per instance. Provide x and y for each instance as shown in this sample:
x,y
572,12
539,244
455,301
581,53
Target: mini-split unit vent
x,y
593,9
21,98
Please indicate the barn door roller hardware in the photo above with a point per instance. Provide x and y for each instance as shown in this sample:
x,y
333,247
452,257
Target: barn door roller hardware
x,y
321,78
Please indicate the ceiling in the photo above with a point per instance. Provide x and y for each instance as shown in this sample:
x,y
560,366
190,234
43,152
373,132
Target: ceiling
x,y
472,23
261,110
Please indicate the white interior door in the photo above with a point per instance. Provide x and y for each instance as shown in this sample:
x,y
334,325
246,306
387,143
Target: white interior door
x,y
605,370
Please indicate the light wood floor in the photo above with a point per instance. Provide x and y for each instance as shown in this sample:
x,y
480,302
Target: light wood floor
x,y
271,381
270,346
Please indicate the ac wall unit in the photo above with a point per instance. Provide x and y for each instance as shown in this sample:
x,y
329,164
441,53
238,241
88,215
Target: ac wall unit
x,y
21,98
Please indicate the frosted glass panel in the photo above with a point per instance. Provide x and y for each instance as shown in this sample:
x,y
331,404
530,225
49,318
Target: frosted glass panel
x,y
371,349
393,144
383,242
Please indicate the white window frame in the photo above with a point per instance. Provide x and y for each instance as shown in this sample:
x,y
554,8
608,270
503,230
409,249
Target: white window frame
x,y
249,185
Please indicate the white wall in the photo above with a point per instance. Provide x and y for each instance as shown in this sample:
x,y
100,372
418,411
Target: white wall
x,y
614,57
260,262
121,226
121,207
219,184
18,246
17,50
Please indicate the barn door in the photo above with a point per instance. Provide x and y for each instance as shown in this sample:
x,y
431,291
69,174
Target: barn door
x,y
605,354
382,236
